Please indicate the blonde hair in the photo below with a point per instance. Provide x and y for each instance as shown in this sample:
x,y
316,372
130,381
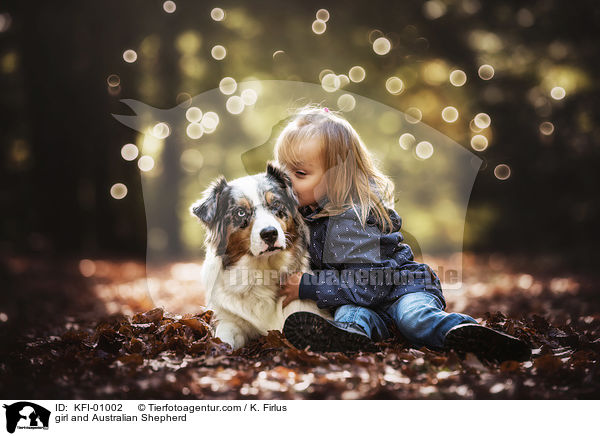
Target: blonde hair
x,y
352,175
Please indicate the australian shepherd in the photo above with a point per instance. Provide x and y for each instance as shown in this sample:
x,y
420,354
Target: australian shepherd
x,y
255,238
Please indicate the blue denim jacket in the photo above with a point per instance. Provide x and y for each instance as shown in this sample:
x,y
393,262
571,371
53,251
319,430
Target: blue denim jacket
x,y
364,267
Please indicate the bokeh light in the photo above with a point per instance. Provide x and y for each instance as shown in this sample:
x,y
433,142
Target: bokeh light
x,y
113,80
482,120
319,27
434,9
525,281
374,34
458,78
146,163
129,56
424,150
217,14
118,191
450,114
249,96
194,131
382,46
324,72
234,105
413,115
406,141
435,72
344,80
322,14
129,152
193,115
473,127
184,99
331,82
169,6
547,128
479,142
188,43
502,172
218,52
150,144
161,130
228,85
394,85
210,121
191,160
485,41
558,93
525,18
486,72
87,267
346,103
357,74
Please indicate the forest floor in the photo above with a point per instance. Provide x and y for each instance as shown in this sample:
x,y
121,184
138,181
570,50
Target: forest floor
x,y
112,330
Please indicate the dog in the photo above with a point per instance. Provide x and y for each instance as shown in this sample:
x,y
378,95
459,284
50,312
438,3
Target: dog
x,y
255,237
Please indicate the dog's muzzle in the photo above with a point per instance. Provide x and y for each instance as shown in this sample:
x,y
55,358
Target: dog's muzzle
x,y
269,235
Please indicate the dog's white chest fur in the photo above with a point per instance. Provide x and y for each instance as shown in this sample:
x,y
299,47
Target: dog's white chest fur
x,y
249,291
244,298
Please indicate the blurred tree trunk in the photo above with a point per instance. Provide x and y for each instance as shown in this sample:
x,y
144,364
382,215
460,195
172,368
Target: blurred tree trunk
x,y
169,191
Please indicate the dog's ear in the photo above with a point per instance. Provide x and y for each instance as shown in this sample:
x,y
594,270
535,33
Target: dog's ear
x,y
207,207
277,172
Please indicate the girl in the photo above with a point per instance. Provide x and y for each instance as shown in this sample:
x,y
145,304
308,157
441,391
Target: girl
x,y
361,268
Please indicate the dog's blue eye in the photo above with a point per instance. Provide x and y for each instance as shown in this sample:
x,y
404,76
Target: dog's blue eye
x,y
276,204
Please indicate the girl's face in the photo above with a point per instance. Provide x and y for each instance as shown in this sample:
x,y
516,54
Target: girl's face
x,y
308,178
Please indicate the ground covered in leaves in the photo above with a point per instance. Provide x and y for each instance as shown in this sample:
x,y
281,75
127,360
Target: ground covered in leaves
x,y
98,329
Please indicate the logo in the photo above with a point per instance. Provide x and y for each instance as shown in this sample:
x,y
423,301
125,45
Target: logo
x,y
26,415
187,145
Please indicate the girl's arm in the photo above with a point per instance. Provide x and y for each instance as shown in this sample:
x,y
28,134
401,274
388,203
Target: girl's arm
x,y
364,267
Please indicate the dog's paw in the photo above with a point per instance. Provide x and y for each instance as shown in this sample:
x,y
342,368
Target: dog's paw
x,y
231,335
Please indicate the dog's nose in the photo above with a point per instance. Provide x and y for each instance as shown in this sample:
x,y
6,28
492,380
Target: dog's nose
x,y
269,235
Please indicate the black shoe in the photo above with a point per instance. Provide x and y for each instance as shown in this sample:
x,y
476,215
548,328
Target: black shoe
x,y
486,343
305,329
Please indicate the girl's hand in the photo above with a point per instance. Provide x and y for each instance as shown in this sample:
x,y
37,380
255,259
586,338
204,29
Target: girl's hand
x,y
291,288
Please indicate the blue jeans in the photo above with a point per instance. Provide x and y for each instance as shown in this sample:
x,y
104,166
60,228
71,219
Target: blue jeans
x,y
419,316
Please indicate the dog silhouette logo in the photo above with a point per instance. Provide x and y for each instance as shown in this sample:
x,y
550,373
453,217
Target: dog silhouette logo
x,y
188,145
26,415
